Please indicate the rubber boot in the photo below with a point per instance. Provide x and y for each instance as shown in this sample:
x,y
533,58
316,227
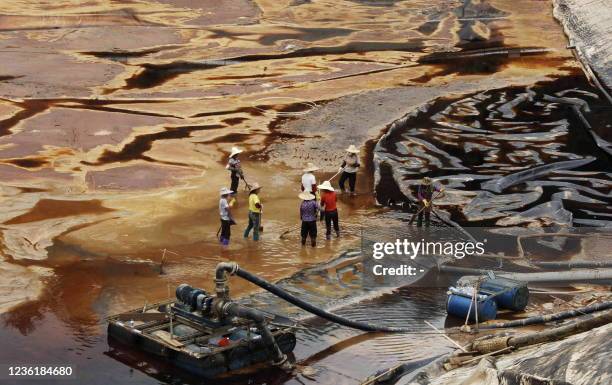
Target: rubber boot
x,y
303,241
313,243
337,234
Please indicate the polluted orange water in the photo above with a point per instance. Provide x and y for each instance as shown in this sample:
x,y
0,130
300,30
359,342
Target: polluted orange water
x,y
117,117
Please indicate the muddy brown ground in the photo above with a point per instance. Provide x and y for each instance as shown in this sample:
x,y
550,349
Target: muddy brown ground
x,y
116,119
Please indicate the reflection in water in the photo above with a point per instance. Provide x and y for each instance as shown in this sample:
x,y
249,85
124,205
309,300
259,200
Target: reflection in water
x,y
337,354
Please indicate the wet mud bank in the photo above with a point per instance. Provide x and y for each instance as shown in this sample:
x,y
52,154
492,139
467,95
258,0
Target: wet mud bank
x,y
113,150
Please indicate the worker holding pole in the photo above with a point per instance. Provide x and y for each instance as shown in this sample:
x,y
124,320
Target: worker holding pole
x,y
425,196
255,208
349,169
235,168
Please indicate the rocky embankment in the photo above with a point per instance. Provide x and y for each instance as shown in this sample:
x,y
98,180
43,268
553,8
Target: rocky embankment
x,y
587,24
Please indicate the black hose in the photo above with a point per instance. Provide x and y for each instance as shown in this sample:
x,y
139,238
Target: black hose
x,y
551,317
259,318
315,310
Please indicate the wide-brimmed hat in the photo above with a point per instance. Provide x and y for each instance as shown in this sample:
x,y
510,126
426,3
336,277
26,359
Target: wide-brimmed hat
x,y
310,167
235,151
426,180
352,149
326,186
254,186
305,195
225,191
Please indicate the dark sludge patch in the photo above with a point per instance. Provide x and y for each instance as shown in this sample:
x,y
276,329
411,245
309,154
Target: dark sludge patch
x,y
234,121
123,55
243,77
428,27
55,208
483,62
29,108
229,138
32,107
247,110
9,77
297,33
26,162
141,144
153,75
28,190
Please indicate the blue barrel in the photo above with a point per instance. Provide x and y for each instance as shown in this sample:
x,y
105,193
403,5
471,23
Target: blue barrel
x,y
508,293
458,306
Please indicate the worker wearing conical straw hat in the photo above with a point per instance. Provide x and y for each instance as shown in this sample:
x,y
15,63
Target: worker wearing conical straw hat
x,y
255,208
425,197
235,168
349,168
308,215
225,212
329,206
309,181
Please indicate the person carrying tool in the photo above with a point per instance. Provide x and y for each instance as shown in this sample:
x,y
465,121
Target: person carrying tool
x,y
309,182
308,215
328,206
233,165
349,169
424,195
225,212
254,212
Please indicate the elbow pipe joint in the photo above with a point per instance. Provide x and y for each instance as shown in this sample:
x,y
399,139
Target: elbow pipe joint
x,y
223,270
259,318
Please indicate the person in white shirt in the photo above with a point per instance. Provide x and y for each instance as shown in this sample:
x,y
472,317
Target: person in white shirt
x,y
225,212
309,182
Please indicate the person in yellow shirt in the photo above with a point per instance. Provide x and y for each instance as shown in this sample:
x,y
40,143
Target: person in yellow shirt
x,y
254,212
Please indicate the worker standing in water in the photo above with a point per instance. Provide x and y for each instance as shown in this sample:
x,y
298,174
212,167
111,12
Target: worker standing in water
x,y
308,214
225,212
254,212
349,168
328,206
309,181
425,195
235,168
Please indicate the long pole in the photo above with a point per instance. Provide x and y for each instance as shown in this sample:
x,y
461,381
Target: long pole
x,y
336,174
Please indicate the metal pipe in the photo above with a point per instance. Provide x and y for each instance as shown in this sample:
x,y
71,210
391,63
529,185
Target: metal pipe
x,y
221,274
580,325
547,276
551,317
573,264
586,323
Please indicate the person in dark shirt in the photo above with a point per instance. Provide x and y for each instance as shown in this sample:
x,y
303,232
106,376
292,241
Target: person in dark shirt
x,y
235,168
308,214
424,195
